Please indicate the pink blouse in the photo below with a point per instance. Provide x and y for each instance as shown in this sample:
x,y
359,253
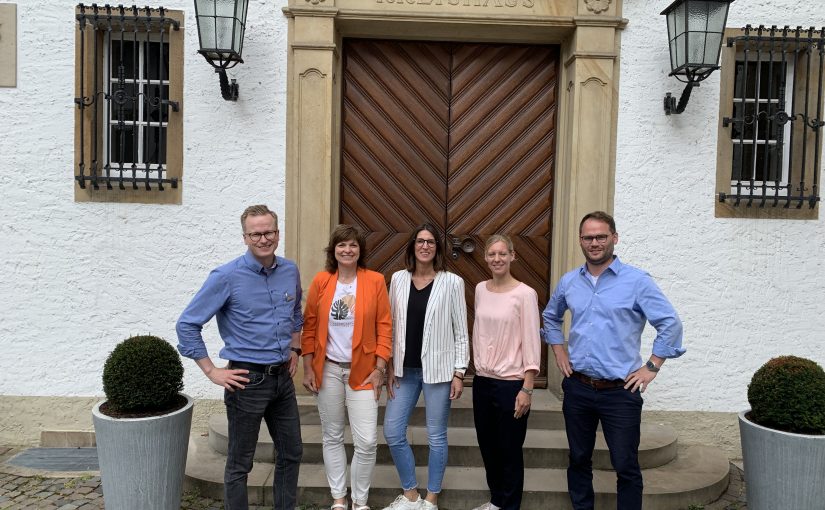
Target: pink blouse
x,y
506,340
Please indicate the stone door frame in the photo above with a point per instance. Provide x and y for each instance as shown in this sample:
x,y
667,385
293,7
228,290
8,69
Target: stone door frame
x,y
588,33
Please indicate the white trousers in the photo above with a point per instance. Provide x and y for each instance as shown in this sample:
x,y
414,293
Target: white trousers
x,y
334,396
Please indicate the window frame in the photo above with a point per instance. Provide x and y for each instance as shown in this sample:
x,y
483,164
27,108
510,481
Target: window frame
x,y
85,120
725,146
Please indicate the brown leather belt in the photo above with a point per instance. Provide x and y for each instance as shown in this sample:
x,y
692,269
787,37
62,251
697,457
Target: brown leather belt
x,y
342,364
599,384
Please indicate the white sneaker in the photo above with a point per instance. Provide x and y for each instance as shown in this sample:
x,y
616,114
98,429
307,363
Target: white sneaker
x,y
426,505
487,506
402,503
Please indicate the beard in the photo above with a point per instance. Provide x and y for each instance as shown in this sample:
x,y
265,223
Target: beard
x,y
605,255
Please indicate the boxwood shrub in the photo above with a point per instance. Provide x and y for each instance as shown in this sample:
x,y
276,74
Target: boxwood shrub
x,y
143,373
788,393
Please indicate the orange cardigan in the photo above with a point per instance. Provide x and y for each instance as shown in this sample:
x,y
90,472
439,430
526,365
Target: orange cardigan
x,y
371,334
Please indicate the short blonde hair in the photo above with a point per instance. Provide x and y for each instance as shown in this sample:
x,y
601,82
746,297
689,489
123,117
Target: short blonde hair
x,y
496,238
257,210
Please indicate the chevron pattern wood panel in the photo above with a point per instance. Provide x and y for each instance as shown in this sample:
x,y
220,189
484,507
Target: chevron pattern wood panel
x,y
394,158
460,135
502,142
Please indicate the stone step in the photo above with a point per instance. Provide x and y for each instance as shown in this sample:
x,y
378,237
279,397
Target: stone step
x,y
698,475
545,412
543,448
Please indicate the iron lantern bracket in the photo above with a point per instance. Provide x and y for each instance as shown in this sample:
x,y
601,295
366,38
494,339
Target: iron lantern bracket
x,y
670,102
229,90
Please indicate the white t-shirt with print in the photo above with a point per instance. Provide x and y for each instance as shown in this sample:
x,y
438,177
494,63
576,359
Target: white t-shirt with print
x,y
341,322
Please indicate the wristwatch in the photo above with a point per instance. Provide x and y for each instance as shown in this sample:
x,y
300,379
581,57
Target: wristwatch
x,y
651,366
296,350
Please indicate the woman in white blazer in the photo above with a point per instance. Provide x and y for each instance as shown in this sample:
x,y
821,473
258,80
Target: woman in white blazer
x,y
430,354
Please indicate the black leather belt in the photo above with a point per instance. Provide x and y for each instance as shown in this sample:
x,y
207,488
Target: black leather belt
x,y
599,384
261,369
342,364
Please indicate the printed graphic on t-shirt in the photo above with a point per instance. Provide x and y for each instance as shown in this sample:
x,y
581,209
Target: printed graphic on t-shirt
x,y
342,310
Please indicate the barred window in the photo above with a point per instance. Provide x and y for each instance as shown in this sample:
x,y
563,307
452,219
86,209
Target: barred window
x,y
771,108
128,122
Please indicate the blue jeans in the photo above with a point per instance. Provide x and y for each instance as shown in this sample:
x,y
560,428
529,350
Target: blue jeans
x,y
271,397
397,417
620,413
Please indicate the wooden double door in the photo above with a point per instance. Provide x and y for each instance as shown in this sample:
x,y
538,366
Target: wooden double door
x,y
458,135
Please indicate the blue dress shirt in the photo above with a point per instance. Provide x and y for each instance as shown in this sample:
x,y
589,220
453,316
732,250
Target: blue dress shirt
x,y
257,309
608,320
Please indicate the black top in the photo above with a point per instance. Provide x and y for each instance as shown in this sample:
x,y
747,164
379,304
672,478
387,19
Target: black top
x,y
416,310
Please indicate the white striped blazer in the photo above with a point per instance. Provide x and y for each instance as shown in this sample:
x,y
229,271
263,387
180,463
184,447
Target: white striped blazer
x,y
445,346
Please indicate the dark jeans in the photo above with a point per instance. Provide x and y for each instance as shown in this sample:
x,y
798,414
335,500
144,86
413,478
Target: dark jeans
x,y
271,397
500,438
620,413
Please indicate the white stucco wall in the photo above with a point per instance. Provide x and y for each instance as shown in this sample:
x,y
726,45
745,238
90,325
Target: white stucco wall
x,y
746,289
79,277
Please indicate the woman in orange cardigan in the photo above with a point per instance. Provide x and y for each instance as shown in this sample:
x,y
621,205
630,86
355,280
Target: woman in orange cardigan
x,y
346,342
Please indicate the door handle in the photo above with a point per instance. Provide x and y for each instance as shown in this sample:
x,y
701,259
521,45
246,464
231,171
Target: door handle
x,y
461,243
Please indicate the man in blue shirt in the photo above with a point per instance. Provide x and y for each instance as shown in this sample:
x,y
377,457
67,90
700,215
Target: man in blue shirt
x,y
257,301
610,302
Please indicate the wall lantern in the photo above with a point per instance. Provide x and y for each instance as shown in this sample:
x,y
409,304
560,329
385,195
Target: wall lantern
x,y
221,26
695,29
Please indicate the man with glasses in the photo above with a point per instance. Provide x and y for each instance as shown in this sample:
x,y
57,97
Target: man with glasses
x,y
257,301
610,302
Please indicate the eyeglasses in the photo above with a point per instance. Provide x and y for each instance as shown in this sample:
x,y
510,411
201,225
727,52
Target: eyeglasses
x,y
270,235
422,242
601,238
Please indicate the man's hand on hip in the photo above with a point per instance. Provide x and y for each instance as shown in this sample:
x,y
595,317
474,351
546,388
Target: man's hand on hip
x,y
562,360
229,378
639,379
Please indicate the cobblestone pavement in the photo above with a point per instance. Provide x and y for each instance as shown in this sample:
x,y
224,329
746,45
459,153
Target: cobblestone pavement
x,y
38,492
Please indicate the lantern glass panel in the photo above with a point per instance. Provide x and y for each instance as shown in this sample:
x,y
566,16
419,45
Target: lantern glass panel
x,y
671,25
238,33
697,16
714,43
717,14
679,16
696,48
224,8
680,50
223,30
206,29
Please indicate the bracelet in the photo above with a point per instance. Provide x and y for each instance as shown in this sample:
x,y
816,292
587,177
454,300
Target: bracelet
x,y
529,391
458,376
381,369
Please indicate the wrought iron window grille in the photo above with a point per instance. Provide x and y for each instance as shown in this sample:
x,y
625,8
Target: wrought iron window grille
x,y
128,102
777,117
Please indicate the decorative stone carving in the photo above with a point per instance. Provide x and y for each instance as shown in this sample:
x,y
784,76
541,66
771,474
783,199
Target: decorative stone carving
x,y
315,2
597,6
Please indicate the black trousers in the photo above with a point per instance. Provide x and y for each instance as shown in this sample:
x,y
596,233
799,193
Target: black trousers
x,y
500,438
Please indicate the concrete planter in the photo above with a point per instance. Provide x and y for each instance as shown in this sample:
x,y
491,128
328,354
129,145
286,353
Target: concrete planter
x,y
782,469
142,460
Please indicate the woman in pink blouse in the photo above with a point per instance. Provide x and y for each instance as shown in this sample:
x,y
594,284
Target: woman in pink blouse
x,y
506,351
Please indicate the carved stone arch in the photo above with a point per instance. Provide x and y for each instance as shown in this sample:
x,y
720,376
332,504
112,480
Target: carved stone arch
x,y
594,79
